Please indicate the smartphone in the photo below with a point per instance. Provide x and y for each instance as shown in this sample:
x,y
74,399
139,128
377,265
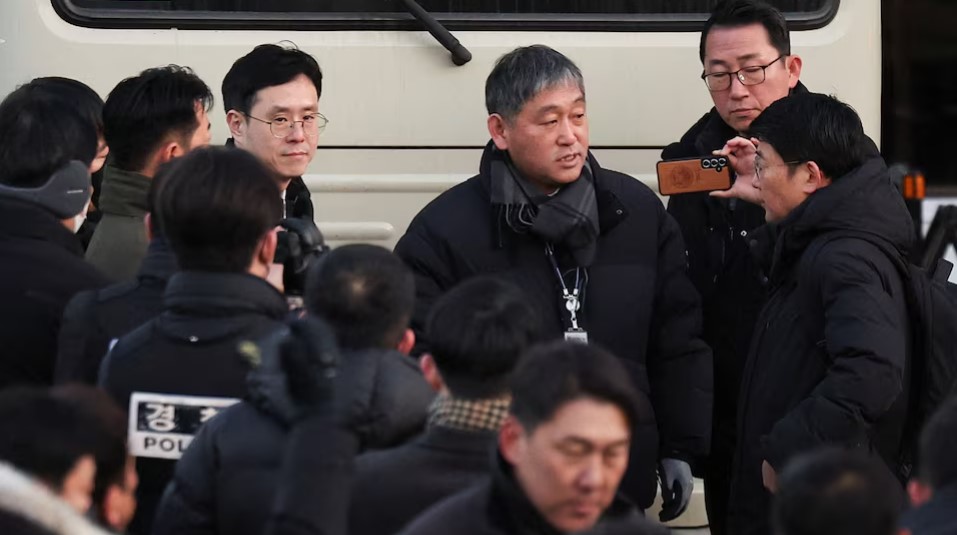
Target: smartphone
x,y
705,173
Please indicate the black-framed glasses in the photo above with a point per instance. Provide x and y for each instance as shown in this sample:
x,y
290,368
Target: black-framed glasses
x,y
280,127
753,75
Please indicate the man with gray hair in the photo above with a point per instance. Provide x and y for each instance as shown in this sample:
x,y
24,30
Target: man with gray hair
x,y
594,249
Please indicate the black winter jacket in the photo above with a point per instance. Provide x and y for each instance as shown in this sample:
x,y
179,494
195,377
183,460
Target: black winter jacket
x,y
829,358
716,233
400,483
638,302
41,269
93,319
190,349
498,506
225,481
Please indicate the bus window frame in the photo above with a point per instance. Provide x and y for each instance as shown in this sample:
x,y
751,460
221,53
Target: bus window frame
x,y
107,18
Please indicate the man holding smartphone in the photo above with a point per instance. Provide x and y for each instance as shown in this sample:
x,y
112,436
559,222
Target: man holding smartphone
x,y
746,54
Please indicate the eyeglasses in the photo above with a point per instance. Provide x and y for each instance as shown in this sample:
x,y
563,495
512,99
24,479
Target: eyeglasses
x,y
312,124
753,75
759,166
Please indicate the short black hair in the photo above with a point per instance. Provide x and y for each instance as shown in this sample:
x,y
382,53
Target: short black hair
x,y
215,205
808,127
477,332
86,101
937,465
42,435
839,492
525,72
266,66
40,132
553,374
108,428
737,13
146,110
365,293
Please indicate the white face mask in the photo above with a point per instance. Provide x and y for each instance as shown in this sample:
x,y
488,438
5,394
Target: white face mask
x,y
78,219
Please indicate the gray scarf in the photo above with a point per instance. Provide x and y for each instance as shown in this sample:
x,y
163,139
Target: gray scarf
x,y
568,218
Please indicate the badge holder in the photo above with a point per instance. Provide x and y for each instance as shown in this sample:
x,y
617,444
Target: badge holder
x,y
572,301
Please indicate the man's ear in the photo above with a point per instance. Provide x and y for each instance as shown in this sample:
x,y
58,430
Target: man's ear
x,y
498,130
266,250
918,493
148,223
815,178
407,342
110,509
794,64
511,440
236,122
431,372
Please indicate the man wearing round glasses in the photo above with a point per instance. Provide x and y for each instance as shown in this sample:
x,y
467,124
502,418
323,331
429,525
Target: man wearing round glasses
x,y
272,100
747,64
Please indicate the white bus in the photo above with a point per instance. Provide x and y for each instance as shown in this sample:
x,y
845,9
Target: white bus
x,y
406,122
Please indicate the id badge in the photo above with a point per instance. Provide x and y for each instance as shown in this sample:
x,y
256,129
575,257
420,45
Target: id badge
x,y
576,335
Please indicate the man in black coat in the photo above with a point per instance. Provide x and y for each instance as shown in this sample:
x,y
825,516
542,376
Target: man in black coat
x,y
46,147
94,319
225,482
562,452
716,229
594,250
827,361
933,493
219,209
477,333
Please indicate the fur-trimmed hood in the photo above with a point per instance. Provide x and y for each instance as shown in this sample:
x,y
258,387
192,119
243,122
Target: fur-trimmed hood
x,y
24,497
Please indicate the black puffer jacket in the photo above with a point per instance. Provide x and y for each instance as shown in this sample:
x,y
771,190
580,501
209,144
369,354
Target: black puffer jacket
x,y
638,300
829,358
41,269
93,319
226,480
191,350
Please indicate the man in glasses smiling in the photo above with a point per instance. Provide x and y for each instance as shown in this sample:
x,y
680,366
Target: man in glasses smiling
x,y
271,96
747,64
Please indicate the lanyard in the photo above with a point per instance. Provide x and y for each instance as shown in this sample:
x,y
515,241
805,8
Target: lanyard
x,y
572,298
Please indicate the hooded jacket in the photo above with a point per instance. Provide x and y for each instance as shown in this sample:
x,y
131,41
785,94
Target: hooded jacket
x,y
28,508
829,358
227,478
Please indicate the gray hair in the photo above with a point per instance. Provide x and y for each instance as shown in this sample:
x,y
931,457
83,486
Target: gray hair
x,y
525,72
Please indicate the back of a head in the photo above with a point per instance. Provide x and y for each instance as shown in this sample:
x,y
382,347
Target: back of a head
x,y
214,205
937,464
266,66
108,431
523,73
477,332
42,435
365,293
812,127
738,13
551,375
836,492
41,132
144,111
79,95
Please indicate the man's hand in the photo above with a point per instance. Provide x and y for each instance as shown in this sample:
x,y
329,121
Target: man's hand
x,y
740,153
676,486
770,477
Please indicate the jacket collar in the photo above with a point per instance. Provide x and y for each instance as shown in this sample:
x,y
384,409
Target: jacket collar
x,y
22,496
159,262
212,294
20,219
124,192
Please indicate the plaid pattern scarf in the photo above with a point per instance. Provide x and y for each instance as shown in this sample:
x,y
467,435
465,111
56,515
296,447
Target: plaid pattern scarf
x,y
468,415
569,217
